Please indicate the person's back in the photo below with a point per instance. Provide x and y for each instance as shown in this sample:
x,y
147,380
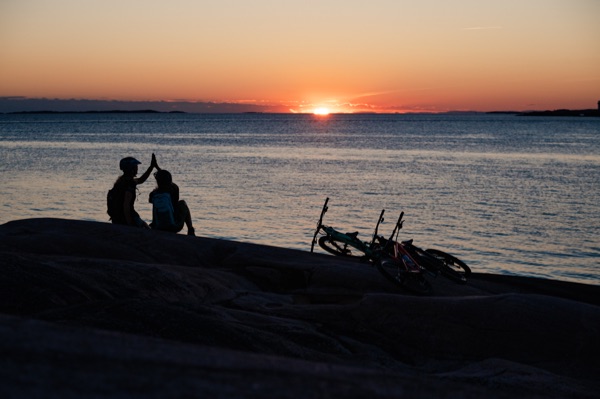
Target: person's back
x,y
116,199
168,212
163,211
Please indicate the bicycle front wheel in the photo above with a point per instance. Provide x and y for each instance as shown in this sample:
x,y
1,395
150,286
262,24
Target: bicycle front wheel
x,y
338,247
453,267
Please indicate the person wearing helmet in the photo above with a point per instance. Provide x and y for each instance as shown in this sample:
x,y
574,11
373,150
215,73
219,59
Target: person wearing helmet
x,y
125,189
169,213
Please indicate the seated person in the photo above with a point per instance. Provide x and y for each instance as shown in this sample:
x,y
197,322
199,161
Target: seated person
x,y
121,197
168,212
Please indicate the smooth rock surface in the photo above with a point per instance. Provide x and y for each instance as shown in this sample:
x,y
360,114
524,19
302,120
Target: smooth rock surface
x,y
92,309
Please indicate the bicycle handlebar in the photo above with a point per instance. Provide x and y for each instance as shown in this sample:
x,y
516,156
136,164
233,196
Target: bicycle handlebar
x,y
379,221
397,227
319,224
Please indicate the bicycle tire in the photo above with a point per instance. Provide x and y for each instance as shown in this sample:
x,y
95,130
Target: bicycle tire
x,y
413,282
453,267
338,247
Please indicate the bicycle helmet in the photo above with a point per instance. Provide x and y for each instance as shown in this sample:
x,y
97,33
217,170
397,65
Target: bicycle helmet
x,y
128,162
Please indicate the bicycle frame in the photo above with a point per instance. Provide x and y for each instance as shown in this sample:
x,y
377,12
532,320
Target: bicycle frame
x,y
446,265
404,251
349,239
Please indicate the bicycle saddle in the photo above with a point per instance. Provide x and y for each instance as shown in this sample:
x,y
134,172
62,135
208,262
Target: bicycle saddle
x,y
353,235
408,242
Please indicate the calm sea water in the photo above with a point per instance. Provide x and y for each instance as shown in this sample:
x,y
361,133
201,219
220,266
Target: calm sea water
x,y
507,194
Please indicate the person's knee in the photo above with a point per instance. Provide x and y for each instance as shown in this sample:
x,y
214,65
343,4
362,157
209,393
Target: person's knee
x,y
183,208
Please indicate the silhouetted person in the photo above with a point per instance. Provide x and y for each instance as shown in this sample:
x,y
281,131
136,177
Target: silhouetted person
x,y
169,213
124,192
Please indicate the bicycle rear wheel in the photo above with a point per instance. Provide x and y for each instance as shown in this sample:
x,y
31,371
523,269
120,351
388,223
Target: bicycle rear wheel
x,y
338,247
452,267
394,272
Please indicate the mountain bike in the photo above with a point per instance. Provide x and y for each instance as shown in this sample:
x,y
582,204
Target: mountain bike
x,y
400,270
345,244
434,261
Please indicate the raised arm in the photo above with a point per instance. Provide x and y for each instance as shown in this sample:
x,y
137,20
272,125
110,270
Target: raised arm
x,y
144,177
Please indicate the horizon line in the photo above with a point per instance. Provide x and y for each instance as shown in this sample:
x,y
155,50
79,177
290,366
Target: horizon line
x,y
23,104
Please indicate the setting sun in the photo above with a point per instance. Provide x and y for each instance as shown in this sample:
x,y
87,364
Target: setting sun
x,y
321,111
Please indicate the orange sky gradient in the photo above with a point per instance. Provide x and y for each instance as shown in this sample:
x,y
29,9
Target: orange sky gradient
x,y
299,55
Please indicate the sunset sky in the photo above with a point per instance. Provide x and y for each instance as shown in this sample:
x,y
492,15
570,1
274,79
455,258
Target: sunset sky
x,y
300,55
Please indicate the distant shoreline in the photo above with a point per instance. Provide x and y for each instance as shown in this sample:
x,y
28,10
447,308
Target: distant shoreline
x,y
116,111
562,112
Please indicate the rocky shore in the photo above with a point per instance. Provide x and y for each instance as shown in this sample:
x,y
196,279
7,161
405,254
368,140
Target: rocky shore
x,y
94,310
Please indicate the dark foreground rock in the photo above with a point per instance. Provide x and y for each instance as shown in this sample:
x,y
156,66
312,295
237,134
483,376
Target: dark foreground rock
x,y
91,309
